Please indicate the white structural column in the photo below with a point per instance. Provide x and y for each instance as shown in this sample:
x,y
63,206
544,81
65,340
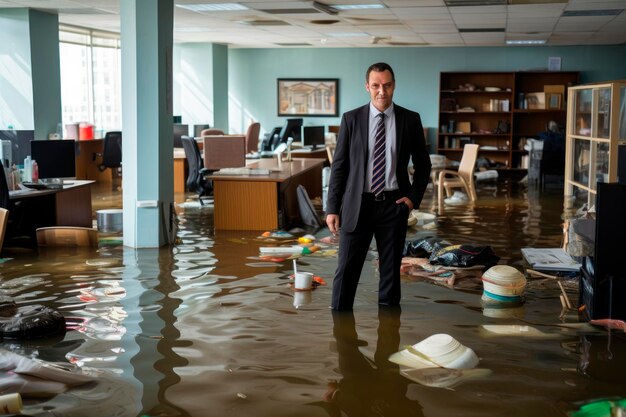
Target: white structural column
x,y
148,180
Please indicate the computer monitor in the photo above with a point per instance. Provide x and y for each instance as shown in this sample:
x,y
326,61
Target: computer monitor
x,y
197,129
179,131
56,159
313,136
291,128
177,119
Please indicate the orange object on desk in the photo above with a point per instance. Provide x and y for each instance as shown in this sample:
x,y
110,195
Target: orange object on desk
x,y
85,131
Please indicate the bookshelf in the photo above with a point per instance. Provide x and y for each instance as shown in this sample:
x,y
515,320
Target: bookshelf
x,y
499,111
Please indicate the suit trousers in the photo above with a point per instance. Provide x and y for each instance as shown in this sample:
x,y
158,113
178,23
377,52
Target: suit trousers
x,y
386,221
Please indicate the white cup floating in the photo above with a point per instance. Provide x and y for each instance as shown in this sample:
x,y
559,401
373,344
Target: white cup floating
x,y
303,281
301,298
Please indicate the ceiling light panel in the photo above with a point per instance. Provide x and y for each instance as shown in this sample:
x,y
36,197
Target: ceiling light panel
x,y
525,41
591,13
213,7
342,7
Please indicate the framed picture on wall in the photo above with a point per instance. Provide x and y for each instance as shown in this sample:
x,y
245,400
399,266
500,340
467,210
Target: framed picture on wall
x,y
308,97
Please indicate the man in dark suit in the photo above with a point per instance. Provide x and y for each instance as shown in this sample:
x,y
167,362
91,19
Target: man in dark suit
x,y
369,192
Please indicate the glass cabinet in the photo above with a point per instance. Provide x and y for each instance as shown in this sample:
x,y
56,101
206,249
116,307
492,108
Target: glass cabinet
x,y
595,141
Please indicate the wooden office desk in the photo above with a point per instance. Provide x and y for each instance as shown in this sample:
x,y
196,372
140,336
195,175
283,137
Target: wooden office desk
x,y
264,202
319,153
69,206
180,169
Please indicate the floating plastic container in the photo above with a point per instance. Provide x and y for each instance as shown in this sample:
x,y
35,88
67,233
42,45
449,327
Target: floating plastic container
x,y
503,283
110,220
71,131
438,350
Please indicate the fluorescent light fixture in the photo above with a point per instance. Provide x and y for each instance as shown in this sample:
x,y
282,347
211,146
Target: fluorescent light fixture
x,y
346,34
526,42
357,6
216,7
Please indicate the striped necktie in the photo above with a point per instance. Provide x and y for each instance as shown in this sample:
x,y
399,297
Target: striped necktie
x,y
378,170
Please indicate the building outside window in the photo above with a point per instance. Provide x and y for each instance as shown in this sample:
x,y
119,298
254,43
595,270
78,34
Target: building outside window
x,y
91,78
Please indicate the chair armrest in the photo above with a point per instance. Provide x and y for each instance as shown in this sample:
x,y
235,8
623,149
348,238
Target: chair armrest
x,y
443,173
205,171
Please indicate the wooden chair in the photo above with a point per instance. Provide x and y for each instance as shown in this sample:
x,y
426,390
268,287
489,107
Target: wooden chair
x,y
330,150
4,218
463,178
211,132
67,236
252,137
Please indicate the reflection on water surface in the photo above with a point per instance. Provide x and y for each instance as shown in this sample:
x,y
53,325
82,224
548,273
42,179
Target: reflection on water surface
x,y
205,328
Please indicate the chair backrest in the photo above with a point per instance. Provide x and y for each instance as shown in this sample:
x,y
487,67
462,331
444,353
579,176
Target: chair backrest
x,y
252,137
67,236
112,153
468,162
224,152
211,132
4,218
194,162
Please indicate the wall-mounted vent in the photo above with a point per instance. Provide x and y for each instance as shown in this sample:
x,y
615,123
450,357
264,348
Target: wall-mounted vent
x,y
587,13
293,44
264,23
455,3
480,30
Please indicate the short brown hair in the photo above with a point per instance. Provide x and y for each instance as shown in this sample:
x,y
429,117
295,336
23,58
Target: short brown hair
x,y
379,67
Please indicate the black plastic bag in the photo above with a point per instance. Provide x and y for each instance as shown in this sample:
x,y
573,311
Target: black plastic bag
x,y
464,256
422,248
31,322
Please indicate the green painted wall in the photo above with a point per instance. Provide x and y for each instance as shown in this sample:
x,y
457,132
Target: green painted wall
x,y
253,73
46,72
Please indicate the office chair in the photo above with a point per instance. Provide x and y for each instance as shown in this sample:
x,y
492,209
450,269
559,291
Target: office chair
x,y
15,223
196,179
65,236
112,153
252,137
211,132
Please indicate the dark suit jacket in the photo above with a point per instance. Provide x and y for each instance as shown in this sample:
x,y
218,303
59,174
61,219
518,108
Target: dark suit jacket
x,y
350,162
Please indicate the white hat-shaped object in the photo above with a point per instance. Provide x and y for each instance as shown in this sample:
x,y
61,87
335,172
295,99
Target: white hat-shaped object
x,y
437,351
504,280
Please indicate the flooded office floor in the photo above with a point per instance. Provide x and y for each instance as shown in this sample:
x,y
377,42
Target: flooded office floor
x,y
205,328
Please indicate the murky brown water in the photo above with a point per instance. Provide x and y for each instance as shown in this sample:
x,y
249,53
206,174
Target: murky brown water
x,y
206,329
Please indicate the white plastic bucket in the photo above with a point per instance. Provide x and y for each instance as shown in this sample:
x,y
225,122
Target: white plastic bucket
x,y
110,220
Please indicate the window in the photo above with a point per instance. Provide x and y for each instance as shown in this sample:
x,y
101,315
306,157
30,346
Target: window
x,y
91,77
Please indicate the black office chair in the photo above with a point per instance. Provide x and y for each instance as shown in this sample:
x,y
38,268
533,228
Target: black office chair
x,y
196,179
112,153
16,226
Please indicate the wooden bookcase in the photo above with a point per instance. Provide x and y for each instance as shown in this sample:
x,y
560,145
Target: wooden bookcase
x,y
498,111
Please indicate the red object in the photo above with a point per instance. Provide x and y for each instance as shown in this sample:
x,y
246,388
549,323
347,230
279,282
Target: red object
x,y
85,131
